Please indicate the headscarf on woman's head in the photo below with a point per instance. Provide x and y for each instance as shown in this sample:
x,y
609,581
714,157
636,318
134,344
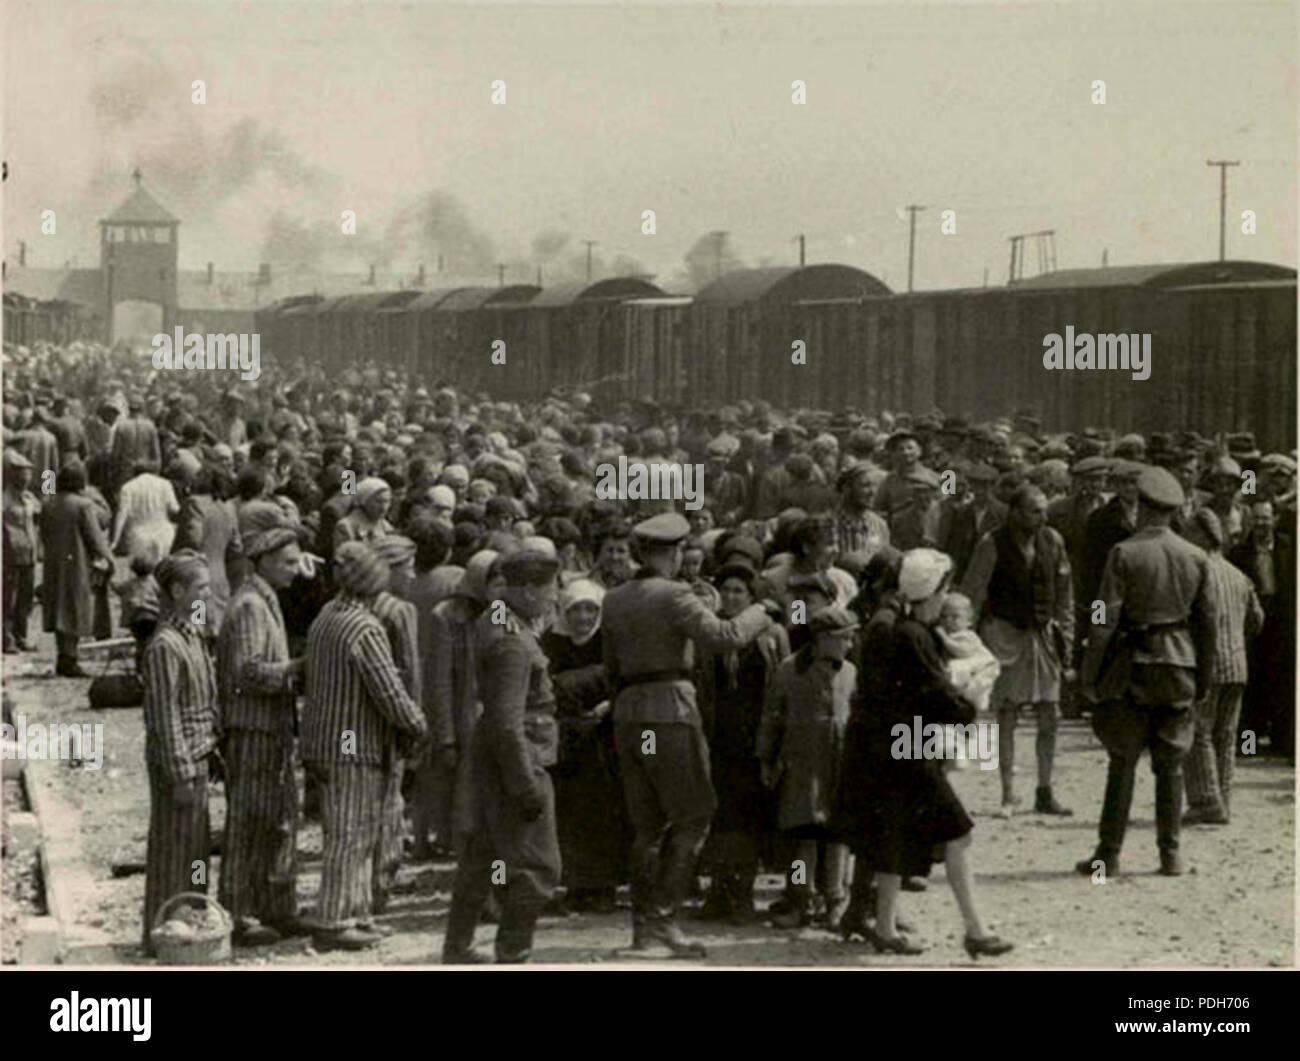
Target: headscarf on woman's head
x,y
922,573
578,591
370,488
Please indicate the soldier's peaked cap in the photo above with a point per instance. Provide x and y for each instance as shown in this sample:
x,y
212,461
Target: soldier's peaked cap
x,y
1158,487
666,529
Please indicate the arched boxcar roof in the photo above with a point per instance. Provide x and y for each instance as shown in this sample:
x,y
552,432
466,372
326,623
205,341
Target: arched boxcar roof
x,y
469,298
283,305
1177,274
615,287
368,300
434,299
791,283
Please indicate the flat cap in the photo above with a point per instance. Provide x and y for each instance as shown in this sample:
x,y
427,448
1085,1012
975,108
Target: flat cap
x,y
899,437
666,529
1224,466
529,567
982,473
1091,466
1125,469
923,475
831,620
1159,488
724,446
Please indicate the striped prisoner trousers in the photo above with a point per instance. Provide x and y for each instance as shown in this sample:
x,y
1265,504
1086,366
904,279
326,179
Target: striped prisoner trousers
x,y
352,814
259,860
1207,770
388,856
178,837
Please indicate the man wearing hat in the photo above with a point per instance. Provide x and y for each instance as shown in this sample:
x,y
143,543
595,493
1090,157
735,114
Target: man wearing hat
x,y
21,549
1111,523
516,740
1148,661
1069,516
726,490
895,494
650,624
258,683
356,712
964,523
1225,483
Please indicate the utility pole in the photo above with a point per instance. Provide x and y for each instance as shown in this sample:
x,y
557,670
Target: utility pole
x,y
719,237
590,243
539,276
501,274
911,242
801,249
1223,198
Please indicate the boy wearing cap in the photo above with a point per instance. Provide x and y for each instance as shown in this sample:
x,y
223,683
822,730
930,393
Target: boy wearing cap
x,y
515,741
800,742
650,625
1146,664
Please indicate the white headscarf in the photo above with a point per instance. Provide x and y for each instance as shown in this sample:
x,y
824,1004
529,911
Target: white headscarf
x,y
577,592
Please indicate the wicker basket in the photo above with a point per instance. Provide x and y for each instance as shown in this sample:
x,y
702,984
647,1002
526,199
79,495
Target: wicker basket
x,y
204,947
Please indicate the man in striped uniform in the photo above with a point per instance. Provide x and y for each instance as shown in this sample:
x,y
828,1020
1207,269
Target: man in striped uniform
x,y
355,712
513,842
1238,616
397,614
258,682
181,727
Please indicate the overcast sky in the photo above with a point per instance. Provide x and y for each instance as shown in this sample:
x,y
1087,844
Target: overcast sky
x,y
685,109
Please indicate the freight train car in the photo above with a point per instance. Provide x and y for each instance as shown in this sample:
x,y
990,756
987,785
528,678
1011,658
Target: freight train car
x,y
59,321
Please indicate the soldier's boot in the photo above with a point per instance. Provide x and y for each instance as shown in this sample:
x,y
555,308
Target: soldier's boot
x,y
514,942
718,902
462,920
1115,807
676,872
1169,799
742,900
1045,803
663,929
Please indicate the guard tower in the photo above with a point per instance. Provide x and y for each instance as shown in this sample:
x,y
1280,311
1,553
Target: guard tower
x,y
138,256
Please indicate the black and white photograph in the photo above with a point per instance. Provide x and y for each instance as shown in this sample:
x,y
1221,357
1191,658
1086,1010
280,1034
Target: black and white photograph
x,y
650,486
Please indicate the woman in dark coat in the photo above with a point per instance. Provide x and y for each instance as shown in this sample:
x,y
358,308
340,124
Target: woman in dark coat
x,y
593,830
903,807
732,687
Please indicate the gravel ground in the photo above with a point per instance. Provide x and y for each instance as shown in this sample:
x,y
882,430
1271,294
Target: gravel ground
x,y
1233,908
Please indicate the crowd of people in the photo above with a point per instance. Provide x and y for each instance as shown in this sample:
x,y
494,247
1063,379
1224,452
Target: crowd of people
x,y
417,596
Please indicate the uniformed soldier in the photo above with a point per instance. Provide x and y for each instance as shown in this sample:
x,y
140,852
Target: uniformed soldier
x,y
514,842
650,624
1145,666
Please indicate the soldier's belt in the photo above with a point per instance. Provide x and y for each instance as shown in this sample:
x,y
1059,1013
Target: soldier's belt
x,y
677,675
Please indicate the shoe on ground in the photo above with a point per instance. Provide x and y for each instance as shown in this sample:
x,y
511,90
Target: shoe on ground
x,y
293,926
668,934
914,884
1202,817
1085,867
1171,864
990,946
70,672
253,933
463,957
1045,803
346,939
792,918
376,929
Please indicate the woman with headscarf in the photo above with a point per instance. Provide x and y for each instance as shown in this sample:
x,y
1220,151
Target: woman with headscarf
x,y
366,520
593,830
732,687
905,809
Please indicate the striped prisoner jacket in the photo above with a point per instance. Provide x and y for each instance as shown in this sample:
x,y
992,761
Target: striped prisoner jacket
x,y
180,701
353,686
253,661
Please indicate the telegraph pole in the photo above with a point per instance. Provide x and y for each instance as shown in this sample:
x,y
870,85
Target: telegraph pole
x,y
590,243
800,238
1223,198
911,242
719,237
501,274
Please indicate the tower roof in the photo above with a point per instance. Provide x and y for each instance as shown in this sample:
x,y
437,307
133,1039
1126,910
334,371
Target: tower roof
x,y
142,207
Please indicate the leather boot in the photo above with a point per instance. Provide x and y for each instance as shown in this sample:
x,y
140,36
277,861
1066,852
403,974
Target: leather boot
x,y
1115,808
515,934
1045,803
1169,805
462,920
862,903
664,930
